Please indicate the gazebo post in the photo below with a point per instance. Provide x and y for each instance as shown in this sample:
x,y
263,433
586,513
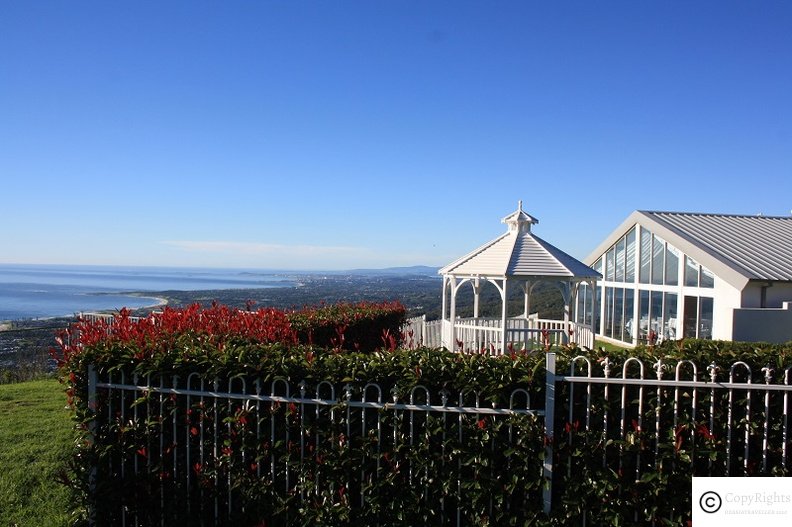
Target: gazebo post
x,y
567,294
444,307
476,290
594,290
504,297
452,314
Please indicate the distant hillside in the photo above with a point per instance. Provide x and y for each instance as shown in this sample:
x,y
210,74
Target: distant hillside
x,y
419,270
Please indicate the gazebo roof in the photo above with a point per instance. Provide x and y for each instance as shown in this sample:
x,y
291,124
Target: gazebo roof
x,y
519,253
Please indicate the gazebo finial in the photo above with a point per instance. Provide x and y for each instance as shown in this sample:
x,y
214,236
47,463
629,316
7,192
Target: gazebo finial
x,y
519,220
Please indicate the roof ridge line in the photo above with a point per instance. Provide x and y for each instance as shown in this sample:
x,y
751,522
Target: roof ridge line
x,y
715,214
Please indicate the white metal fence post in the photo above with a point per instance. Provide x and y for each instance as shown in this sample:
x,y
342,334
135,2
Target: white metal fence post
x,y
549,419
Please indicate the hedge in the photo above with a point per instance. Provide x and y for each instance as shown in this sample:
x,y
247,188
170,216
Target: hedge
x,y
594,471
412,476
364,326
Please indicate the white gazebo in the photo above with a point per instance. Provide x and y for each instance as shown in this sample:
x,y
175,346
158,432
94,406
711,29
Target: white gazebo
x,y
516,258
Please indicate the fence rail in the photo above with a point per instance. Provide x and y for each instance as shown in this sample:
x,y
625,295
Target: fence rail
x,y
744,423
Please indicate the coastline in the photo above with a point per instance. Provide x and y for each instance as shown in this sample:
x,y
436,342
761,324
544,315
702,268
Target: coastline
x,y
159,301
156,301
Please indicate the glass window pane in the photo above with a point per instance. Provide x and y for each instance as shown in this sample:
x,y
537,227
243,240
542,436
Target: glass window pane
x,y
658,263
618,313
609,312
587,304
707,278
691,317
629,257
705,320
643,317
671,265
691,272
656,314
670,316
629,296
620,261
598,265
610,260
580,304
646,256
598,309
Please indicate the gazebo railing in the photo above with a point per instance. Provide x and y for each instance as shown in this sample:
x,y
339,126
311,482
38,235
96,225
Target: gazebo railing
x,y
484,334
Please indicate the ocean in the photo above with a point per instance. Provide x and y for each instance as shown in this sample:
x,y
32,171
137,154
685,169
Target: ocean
x,y
42,291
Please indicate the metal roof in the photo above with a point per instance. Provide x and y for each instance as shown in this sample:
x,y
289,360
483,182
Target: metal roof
x,y
760,246
738,248
519,253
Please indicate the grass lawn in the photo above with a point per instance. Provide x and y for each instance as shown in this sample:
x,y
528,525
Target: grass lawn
x,y
608,346
35,443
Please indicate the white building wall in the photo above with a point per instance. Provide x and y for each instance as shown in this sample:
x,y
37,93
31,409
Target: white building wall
x,y
726,299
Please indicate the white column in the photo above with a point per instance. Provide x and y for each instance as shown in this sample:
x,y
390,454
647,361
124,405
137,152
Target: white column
x,y
601,325
476,289
504,296
445,293
452,315
526,288
528,292
567,294
593,301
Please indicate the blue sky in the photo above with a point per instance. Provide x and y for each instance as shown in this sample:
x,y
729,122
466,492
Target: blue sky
x,y
332,135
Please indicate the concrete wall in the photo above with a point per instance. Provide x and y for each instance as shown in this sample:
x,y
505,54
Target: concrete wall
x,y
763,325
775,295
778,294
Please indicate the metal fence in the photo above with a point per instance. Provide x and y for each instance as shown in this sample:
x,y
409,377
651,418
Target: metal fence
x,y
278,432
732,421
740,416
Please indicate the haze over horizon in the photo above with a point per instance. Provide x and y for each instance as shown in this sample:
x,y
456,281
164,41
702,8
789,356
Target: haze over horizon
x,y
347,135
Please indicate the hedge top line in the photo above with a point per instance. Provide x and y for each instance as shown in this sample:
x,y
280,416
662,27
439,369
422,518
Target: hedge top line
x,y
359,326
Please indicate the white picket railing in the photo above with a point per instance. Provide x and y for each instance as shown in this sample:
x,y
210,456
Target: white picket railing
x,y
484,334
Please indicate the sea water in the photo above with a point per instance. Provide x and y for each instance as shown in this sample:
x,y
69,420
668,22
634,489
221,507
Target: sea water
x,y
40,291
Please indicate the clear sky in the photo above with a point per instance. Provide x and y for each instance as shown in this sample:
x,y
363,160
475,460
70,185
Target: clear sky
x,y
345,134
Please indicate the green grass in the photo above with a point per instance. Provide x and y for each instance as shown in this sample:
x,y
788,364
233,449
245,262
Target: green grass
x,y
35,443
608,346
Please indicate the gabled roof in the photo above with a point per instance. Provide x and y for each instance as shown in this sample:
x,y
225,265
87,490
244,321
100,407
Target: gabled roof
x,y
737,248
519,253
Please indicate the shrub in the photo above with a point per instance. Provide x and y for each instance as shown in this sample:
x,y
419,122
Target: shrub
x,y
364,326
316,466
305,467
